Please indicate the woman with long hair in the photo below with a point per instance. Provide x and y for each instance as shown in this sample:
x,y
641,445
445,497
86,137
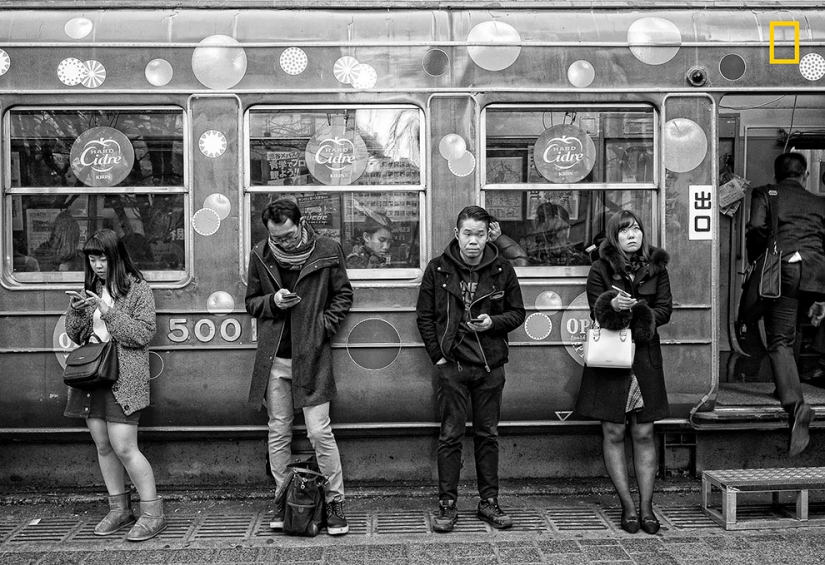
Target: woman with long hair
x,y
635,397
117,304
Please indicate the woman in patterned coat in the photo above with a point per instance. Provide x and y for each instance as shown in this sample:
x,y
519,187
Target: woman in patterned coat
x,y
117,304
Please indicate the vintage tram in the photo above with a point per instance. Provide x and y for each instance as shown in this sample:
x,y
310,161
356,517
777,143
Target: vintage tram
x,y
176,126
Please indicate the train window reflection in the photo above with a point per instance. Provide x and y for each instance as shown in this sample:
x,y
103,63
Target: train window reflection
x,y
75,171
377,230
553,175
53,229
360,177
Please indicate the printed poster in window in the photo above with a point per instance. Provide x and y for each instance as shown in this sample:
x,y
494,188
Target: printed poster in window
x,y
504,205
505,170
39,226
286,165
323,212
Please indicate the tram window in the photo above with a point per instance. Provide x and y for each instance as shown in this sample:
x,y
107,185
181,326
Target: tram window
x,y
74,172
553,176
370,156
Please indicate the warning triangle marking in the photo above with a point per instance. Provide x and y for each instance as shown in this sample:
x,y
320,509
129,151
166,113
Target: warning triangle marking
x,y
563,415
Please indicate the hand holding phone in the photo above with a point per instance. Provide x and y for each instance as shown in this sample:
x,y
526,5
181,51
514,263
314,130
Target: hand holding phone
x,y
476,320
621,291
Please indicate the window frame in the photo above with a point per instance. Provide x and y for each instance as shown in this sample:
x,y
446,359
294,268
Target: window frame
x,y
655,187
166,278
384,275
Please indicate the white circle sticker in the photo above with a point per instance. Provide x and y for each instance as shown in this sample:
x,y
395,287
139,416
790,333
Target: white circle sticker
x,y
293,61
95,74
212,143
812,66
71,71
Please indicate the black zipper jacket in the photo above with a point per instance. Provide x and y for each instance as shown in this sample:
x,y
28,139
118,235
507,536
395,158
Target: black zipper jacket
x,y
441,310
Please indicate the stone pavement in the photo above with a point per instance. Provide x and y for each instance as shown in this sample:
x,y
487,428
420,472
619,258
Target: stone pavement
x,y
392,527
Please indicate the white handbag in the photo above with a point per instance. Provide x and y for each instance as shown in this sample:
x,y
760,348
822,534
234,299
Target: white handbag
x,y
612,349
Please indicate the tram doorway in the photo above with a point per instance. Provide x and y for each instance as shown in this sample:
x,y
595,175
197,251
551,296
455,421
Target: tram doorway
x,y
753,130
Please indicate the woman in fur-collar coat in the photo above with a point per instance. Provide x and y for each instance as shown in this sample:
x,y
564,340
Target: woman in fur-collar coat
x,y
637,396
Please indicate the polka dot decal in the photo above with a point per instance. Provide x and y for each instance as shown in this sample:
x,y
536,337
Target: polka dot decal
x,y
462,166
581,73
364,77
732,66
219,203
685,145
78,28
436,62
538,326
491,57
71,71
5,62
220,303
344,69
206,221
95,74
812,66
293,61
452,146
654,41
159,72
373,344
219,62
212,143
548,301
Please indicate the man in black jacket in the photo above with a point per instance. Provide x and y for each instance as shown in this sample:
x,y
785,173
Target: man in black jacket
x,y
469,300
800,237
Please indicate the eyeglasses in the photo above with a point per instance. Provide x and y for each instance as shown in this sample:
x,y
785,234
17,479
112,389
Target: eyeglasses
x,y
285,238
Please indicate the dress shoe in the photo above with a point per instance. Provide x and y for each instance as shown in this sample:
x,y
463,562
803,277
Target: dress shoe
x,y
630,524
650,525
802,417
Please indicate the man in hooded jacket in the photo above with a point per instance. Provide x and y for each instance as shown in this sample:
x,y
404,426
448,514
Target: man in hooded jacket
x,y
469,300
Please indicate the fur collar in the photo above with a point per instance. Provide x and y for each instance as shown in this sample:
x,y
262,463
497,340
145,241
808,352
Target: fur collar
x,y
659,258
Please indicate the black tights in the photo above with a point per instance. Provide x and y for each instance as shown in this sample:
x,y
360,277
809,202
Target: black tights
x,y
644,463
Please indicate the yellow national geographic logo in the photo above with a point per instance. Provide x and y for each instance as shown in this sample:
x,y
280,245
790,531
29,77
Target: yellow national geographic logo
x,y
795,60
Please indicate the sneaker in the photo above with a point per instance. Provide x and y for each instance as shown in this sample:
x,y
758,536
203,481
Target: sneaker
x,y
802,417
491,512
277,522
447,516
336,521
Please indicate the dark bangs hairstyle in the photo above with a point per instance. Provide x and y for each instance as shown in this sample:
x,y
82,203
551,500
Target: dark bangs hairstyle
x,y
106,242
619,221
476,213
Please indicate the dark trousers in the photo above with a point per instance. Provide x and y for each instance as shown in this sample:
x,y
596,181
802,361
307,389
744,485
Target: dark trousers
x,y
483,391
781,320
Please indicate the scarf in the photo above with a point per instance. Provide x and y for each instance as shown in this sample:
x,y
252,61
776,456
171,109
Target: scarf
x,y
294,260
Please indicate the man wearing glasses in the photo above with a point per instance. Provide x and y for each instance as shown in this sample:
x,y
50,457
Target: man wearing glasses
x,y
298,290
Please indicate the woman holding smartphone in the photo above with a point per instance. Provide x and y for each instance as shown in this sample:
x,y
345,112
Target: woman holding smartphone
x,y
628,286
117,304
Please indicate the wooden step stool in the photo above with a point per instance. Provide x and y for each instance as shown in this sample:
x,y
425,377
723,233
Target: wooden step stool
x,y
736,481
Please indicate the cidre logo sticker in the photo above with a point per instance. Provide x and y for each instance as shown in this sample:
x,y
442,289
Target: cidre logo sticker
x,y
564,154
102,157
336,155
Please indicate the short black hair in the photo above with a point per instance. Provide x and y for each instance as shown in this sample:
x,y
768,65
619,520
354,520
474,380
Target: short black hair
x,y
280,211
789,165
474,213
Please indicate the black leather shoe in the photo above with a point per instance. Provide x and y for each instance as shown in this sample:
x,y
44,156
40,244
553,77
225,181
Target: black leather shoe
x,y
630,524
802,417
650,525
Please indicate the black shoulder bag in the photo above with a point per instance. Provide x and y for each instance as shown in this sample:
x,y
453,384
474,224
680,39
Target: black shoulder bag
x,y
92,365
763,277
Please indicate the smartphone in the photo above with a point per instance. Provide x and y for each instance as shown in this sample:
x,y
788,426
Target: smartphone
x,y
75,294
476,320
623,292
289,296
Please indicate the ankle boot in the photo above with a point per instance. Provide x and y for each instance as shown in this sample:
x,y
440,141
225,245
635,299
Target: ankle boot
x,y
120,515
151,521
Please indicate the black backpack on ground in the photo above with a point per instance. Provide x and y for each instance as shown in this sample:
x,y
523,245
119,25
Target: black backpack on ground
x,y
302,497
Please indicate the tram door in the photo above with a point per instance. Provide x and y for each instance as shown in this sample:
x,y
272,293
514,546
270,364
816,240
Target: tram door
x,y
768,125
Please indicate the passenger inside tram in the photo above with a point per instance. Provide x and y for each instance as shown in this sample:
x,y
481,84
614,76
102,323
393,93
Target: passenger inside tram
x,y
372,248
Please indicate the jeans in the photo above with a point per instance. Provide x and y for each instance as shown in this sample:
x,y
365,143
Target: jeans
x,y
483,390
319,430
781,318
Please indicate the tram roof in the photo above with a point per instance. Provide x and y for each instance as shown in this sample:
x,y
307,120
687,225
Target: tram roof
x,y
539,22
